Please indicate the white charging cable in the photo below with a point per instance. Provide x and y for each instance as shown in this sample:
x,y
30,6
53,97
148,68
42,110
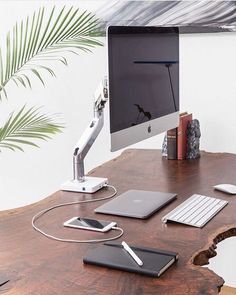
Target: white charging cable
x,y
43,212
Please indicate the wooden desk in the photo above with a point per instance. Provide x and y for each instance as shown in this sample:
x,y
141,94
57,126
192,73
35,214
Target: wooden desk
x,y
37,265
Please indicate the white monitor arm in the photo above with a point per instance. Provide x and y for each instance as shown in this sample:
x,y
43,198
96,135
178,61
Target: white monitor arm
x,y
90,134
80,182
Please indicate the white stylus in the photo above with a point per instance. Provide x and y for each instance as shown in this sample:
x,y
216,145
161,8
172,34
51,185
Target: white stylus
x,y
132,254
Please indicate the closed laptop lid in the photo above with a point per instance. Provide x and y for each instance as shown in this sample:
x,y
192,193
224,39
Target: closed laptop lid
x,y
136,203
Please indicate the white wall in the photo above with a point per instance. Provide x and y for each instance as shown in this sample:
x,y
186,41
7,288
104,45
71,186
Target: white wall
x,y
207,88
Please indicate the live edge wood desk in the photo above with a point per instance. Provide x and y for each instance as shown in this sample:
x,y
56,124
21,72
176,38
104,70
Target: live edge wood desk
x,y
40,266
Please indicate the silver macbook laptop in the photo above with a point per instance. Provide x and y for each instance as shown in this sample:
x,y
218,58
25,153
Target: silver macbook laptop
x,y
136,203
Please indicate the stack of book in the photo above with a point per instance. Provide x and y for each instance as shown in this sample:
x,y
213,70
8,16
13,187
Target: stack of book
x,y
177,138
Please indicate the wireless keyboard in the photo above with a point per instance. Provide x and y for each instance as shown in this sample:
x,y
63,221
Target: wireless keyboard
x,y
196,210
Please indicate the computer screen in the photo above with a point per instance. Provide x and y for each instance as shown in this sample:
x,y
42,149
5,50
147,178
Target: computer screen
x,y
143,76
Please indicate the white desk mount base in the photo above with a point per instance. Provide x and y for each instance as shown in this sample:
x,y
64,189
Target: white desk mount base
x,y
89,185
80,182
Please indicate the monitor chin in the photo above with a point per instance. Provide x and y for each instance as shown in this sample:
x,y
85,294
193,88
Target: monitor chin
x,y
137,133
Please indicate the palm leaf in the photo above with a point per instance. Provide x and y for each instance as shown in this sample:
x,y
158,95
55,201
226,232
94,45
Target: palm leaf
x,y
41,38
24,126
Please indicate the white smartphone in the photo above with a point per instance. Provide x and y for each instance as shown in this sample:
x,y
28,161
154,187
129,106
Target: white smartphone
x,y
90,224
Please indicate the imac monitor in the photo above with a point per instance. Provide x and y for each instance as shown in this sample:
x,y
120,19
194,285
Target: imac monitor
x,y
143,75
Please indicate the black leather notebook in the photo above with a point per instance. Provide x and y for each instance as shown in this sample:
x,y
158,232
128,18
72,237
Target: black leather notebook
x,y
113,255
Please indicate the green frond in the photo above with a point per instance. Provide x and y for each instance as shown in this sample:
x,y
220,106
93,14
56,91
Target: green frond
x,y
36,73
49,70
23,127
3,92
1,70
15,81
48,57
20,79
27,80
44,37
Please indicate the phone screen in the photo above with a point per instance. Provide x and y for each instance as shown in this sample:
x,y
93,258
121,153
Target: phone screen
x,y
89,223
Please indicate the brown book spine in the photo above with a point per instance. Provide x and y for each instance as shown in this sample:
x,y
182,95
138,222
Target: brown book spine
x,y
172,144
182,136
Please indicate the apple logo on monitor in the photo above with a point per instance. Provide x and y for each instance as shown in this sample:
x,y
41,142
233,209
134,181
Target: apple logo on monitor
x,y
143,67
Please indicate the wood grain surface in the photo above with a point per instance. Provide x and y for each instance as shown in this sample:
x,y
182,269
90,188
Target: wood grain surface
x,y
226,290
34,264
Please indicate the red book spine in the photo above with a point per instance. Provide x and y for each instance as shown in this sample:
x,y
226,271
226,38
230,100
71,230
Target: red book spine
x,y
182,136
172,144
